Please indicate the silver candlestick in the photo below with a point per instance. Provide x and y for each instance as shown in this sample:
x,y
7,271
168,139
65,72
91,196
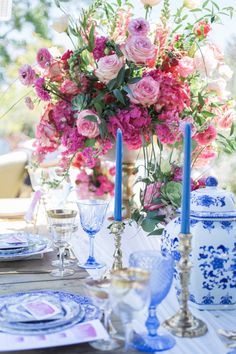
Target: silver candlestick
x,y
117,228
183,323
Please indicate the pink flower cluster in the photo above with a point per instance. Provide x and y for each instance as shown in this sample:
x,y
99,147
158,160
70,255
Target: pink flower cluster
x,y
134,122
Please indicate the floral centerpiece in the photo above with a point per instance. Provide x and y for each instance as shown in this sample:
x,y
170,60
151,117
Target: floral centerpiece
x,y
145,78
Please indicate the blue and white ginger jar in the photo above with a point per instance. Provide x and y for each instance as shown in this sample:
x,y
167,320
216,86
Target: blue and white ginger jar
x,y
213,227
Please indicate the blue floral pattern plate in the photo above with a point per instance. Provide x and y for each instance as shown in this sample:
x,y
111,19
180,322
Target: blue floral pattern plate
x,y
35,244
74,309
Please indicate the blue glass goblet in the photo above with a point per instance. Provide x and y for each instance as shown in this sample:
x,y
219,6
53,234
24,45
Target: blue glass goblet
x,y
161,276
92,214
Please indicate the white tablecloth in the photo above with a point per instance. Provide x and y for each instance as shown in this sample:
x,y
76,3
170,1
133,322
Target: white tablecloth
x,y
135,239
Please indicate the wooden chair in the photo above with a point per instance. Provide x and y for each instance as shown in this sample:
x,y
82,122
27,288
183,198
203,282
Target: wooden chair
x,y
12,172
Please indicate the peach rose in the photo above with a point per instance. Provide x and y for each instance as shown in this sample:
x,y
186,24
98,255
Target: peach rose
x,y
61,24
140,50
86,127
54,72
108,68
186,66
150,2
69,87
144,92
192,4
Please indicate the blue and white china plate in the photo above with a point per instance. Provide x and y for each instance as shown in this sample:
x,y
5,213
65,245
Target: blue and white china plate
x,y
74,309
35,244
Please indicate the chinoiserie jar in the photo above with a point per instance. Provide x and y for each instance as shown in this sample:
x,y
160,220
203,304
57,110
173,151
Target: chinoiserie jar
x,y
213,256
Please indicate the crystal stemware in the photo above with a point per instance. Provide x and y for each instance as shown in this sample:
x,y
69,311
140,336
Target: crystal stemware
x,y
92,214
161,275
61,223
99,292
129,293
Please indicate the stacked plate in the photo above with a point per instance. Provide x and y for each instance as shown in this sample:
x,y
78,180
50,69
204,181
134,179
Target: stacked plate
x,y
20,244
43,312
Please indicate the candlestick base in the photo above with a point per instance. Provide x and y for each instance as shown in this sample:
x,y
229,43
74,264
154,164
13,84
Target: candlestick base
x,y
117,228
183,323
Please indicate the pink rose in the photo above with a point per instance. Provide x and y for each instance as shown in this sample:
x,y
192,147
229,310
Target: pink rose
x,y
227,118
207,136
140,50
86,127
69,87
108,68
145,91
152,192
186,66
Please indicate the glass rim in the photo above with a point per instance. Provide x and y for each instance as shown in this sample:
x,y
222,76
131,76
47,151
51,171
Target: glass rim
x,y
92,201
61,213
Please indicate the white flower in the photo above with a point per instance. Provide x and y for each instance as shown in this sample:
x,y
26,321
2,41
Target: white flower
x,y
150,2
205,60
61,24
219,87
225,72
192,4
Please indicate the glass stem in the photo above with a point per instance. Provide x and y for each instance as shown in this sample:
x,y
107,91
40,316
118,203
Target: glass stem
x,y
91,247
152,323
61,258
128,331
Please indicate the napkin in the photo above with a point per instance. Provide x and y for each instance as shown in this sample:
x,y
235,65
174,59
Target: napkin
x,y
11,208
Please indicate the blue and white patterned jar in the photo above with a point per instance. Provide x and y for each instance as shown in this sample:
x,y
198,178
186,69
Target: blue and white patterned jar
x,y
213,226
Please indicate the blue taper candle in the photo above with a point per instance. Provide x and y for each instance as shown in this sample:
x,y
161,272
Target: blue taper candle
x,y
118,179
186,189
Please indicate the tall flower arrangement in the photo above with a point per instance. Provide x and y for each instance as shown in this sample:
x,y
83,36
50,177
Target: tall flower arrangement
x,y
145,78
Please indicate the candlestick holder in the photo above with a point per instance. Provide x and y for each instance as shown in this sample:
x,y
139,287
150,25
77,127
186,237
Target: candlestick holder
x,y
183,323
117,228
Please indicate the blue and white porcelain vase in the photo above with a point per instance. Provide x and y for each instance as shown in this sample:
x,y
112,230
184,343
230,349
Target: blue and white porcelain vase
x,y
213,256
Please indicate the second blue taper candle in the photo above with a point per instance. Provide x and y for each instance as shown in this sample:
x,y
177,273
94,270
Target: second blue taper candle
x,y
118,178
186,189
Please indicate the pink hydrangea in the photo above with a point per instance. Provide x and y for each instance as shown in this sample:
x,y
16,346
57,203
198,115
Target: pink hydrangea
x,y
207,136
169,131
138,27
89,156
99,48
82,177
133,122
44,58
174,94
152,192
40,89
27,75
63,115
106,186
72,140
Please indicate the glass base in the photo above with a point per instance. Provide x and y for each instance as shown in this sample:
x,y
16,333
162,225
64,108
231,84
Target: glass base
x,y
60,273
91,265
145,343
67,263
109,344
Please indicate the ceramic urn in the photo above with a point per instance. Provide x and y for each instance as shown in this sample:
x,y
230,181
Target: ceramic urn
x,y
213,256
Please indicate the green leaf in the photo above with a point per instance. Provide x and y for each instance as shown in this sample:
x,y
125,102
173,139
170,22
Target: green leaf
x,y
208,114
111,84
200,99
232,129
148,225
121,76
90,142
99,107
117,93
134,80
91,39
91,118
156,232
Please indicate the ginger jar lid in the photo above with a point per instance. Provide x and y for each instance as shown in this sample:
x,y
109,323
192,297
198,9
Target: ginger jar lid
x,y
212,202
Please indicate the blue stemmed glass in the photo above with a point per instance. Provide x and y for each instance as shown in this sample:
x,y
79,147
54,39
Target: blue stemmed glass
x,y
92,214
161,275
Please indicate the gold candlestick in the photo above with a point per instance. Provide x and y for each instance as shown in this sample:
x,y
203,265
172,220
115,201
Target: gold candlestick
x,y
183,323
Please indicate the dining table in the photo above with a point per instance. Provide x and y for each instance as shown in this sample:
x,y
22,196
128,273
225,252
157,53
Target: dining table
x,y
34,274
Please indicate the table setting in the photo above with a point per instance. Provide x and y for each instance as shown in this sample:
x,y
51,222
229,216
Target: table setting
x,y
127,244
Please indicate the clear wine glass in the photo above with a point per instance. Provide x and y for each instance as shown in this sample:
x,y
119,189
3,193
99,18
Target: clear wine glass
x,y
61,223
129,293
161,270
99,291
92,214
